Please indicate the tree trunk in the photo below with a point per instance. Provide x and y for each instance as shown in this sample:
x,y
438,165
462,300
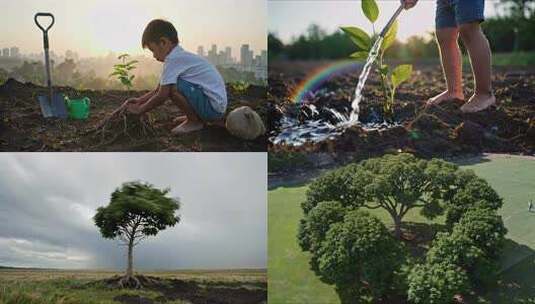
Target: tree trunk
x,y
130,267
397,226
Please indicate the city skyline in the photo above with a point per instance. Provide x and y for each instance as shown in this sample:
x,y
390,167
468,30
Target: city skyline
x,y
76,28
214,50
69,53
247,62
255,61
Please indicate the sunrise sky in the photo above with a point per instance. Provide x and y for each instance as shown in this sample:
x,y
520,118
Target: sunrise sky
x,y
97,27
289,18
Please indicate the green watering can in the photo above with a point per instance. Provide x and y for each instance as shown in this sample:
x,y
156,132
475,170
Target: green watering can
x,y
78,108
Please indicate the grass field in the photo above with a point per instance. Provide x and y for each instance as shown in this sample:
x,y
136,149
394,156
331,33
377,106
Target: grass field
x,y
32,286
291,281
513,59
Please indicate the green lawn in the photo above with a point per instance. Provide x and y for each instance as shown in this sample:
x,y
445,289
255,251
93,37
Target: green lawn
x,y
517,59
513,59
291,281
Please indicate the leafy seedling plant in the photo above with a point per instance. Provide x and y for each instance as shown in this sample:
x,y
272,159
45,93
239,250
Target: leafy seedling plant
x,y
120,122
390,79
239,87
122,71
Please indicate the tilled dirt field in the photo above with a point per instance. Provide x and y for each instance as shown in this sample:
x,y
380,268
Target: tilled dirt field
x,y
196,293
441,130
22,127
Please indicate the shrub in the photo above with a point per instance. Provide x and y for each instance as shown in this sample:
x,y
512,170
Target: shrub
x,y
472,192
357,254
436,283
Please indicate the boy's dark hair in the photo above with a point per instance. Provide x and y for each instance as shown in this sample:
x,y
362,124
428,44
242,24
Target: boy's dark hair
x,y
157,29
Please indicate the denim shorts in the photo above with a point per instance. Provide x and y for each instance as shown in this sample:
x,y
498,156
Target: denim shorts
x,y
196,98
452,13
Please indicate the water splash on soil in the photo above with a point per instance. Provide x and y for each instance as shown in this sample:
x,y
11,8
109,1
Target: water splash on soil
x,y
296,132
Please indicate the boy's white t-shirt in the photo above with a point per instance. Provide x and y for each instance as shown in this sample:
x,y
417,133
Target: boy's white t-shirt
x,y
197,70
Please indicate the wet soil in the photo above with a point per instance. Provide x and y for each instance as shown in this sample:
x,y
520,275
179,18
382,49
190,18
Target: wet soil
x,y
193,292
441,130
22,127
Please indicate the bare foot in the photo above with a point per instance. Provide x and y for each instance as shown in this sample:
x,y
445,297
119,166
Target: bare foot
x,y
217,123
444,96
188,126
478,102
180,119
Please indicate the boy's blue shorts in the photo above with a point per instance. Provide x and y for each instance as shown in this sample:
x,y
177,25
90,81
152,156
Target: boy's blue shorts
x,y
452,13
196,98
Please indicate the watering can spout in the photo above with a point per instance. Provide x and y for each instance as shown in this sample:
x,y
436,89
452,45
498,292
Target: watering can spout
x,y
391,21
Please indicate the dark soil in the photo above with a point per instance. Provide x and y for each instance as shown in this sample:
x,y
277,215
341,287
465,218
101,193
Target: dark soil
x,y
22,127
441,130
194,292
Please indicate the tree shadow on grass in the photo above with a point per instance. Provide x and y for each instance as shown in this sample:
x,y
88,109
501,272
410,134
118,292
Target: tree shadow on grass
x,y
471,160
293,180
418,236
516,280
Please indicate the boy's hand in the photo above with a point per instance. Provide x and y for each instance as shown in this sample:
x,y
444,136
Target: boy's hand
x,y
132,100
134,108
407,4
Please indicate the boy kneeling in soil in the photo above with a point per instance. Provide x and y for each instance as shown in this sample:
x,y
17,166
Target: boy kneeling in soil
x,y
462,17
190,81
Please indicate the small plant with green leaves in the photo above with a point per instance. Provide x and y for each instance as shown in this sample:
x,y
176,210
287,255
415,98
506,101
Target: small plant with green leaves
x,y
122,71
239,87
390,78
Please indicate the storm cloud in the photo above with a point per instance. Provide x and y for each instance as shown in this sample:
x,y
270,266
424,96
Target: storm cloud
x,y
47,201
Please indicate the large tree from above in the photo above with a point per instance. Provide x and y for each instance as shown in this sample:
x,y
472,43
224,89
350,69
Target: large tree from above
x,y
136,211
354,251
395,183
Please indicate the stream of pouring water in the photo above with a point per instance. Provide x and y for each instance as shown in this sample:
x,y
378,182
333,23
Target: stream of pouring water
x,y
374,52
297,133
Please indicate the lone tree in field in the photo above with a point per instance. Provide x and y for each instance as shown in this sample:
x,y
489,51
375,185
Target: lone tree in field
x,y
136,211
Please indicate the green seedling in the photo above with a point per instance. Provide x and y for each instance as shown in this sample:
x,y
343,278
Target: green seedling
x,y
390,78
122,71
239,87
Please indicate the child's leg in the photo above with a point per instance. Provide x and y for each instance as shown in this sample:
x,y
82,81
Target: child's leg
x,y
450,56
480,58
192,121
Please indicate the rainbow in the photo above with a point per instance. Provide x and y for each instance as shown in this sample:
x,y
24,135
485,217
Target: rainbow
x,y
318,76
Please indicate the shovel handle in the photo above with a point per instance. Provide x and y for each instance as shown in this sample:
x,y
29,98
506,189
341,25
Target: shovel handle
x,y
45,43
44,15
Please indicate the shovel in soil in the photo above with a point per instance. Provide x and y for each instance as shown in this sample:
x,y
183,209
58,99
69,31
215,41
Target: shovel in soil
x,y
52,105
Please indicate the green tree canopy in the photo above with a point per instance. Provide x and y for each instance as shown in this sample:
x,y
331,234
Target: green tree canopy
x,y
395,183
485,228
352,250
471,191
436,284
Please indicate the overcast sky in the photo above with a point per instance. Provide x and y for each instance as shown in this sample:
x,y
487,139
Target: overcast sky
x,y
96,27
290,18
47,201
